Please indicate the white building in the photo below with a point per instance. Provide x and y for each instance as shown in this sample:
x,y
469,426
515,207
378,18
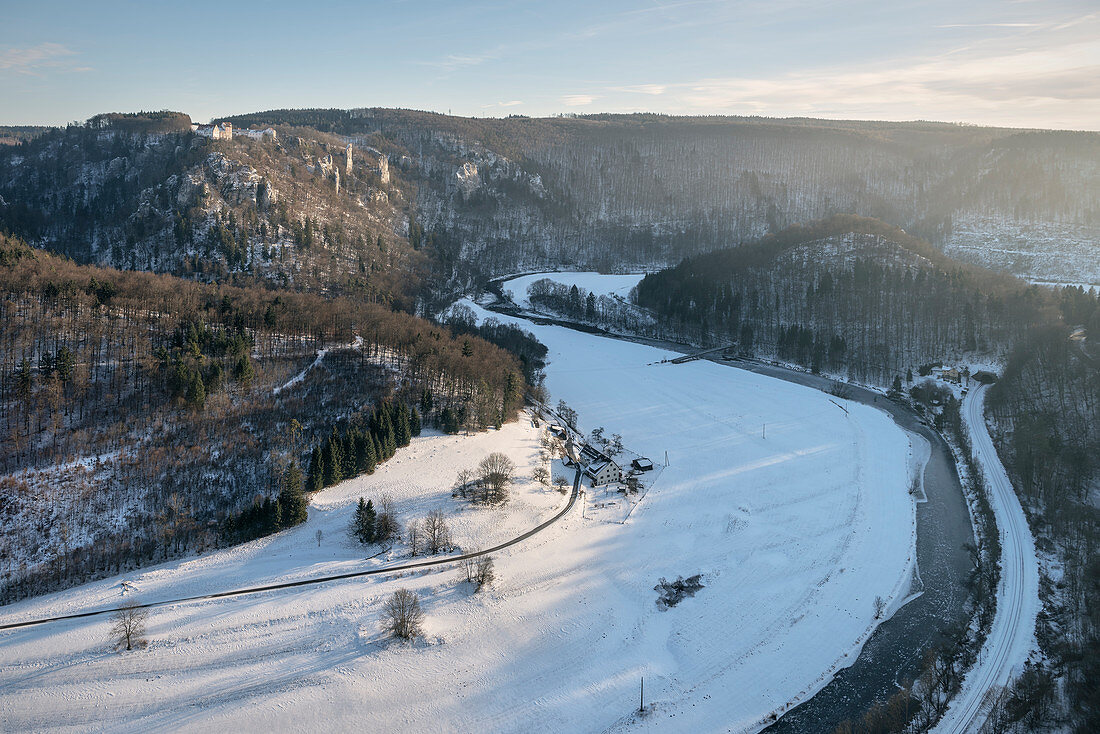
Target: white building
x,y
221,131
604,471
267,132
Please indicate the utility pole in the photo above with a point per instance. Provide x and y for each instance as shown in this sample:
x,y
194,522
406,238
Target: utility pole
x,y
764,431
641,698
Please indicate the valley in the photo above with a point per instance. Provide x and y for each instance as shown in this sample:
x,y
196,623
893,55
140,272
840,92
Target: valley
x,y
802,529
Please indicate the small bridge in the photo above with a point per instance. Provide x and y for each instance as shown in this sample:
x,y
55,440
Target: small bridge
x,y
700,355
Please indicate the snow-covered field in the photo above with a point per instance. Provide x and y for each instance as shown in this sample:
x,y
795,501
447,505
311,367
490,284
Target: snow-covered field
x,y
795,512
601,285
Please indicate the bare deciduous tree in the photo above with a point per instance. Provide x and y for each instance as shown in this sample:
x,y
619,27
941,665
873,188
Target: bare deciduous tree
x,y
386,527
462,481
128,626
320,535
437,535
496,472
561,483
484,573
414,535
469,565
541,475
402,615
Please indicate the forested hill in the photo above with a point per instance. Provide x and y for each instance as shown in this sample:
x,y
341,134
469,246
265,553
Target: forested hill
x,y
433,203
142,413
845,294
615,191
143,192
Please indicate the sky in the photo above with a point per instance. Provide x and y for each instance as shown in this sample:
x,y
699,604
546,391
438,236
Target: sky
x,y
1015,63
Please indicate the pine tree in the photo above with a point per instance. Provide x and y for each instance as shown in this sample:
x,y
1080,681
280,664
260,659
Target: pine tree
x,y
379,452
348,466
292,502
196,391
365,458
331,461
243,372
364,521
316,478
24,379
402,430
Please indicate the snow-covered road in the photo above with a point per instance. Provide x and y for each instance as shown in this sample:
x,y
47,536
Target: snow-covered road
x,y
1013,634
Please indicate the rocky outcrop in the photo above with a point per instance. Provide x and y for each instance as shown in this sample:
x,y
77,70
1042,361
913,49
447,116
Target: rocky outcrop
x,y
467,179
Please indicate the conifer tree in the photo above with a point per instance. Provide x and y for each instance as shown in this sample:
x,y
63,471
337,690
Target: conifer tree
x,y
364,521
414,422
316,478
332,460
402,431
24,379
196,391
292,503
348,466
379,451
243,372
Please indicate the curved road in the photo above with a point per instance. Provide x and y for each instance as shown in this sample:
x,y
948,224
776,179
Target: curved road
x,y
319,579
1012,635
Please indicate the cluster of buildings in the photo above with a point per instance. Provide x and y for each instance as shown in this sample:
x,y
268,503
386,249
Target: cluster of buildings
x,y
598,466
224,131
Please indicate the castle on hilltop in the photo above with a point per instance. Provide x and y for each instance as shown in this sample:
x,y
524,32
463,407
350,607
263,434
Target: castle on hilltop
x,y
224,131
220,131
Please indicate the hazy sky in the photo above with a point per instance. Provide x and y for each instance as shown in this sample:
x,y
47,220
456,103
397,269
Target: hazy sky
x,y
1003,62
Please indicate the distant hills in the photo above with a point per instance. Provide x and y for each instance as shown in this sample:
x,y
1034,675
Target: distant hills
x,y
470,198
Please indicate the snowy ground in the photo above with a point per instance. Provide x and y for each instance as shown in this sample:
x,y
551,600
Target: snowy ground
x,y
601,285
795,534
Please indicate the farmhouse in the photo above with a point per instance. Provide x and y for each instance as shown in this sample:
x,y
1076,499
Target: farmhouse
x,y
642,464
604,472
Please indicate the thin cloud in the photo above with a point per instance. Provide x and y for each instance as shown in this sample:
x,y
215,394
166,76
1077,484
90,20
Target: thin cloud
x,y
988,25
454,62
32,59
578,100
510,103
651,89
1045,78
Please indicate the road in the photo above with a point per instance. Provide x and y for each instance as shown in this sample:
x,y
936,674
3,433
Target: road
x,y
1013,632
319,579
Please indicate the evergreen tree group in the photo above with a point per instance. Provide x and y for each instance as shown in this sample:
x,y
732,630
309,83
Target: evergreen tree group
x,y
360,448
269,515
365,518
